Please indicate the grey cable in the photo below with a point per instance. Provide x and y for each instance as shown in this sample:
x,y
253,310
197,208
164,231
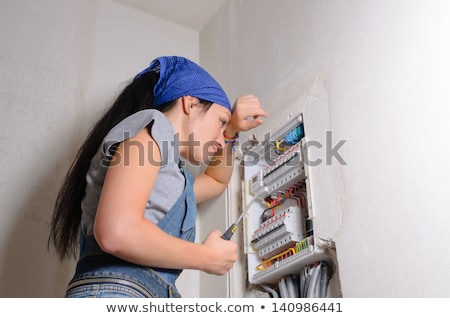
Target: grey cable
x,y
323,280
307,279
283,289
270,290
291,286
312,290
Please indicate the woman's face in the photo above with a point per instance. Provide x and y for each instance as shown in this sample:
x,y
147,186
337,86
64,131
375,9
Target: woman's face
x,y
206,130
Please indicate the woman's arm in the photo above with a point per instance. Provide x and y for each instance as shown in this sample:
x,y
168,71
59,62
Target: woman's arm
x,y
121,229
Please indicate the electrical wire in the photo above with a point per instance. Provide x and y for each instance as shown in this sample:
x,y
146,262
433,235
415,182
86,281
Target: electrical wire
x,y
277,258
264,215
323,280
272,291
314,282
294,135
292,291
302,283
284,293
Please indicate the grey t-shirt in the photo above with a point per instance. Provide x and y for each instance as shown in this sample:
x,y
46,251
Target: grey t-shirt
x,y
170,181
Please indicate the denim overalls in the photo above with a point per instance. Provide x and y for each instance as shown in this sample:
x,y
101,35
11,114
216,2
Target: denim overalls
x,y
102,275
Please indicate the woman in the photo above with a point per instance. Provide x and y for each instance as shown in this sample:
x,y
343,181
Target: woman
x,y
127,196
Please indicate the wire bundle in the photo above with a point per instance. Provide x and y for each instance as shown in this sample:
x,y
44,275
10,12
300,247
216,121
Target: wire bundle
x,y
300,246
294,135
314,280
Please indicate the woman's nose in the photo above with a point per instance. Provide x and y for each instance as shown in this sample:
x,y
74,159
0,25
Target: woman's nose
x,y
221,140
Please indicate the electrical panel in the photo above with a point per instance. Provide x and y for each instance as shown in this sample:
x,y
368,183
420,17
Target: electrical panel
x,y
282,253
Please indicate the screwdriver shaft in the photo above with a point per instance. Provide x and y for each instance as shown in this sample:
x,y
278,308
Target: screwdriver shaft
x,y
229,233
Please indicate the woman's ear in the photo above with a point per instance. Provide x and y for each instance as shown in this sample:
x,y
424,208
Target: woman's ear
x,y
187,103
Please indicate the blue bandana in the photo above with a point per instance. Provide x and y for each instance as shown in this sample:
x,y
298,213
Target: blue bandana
x,y
180,77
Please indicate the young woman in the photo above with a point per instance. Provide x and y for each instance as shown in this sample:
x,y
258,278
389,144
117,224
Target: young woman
x,y
128,205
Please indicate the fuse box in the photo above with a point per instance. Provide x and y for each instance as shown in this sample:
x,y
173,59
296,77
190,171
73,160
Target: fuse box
x,y
279,228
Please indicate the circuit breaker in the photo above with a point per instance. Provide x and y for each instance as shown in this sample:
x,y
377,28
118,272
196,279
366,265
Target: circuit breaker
x,y
279,228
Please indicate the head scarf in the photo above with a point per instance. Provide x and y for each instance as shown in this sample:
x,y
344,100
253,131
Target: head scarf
x,y
179,77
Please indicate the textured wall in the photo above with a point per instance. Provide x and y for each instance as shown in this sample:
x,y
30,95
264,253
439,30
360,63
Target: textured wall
x,y
385,70
61,63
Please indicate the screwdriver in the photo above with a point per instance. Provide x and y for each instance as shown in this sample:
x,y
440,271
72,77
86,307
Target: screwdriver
x,y
229,233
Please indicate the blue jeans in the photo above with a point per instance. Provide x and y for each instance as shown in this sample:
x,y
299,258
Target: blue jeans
x,y
104,275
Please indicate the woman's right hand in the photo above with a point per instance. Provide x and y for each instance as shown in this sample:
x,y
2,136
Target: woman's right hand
x,y
222,254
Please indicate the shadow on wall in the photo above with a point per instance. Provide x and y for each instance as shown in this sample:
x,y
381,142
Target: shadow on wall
x,y
27,268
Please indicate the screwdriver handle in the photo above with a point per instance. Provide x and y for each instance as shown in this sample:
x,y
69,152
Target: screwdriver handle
x,y
229,233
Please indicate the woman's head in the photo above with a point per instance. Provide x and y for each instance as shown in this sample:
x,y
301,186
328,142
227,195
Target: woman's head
x,y
200,128
205,105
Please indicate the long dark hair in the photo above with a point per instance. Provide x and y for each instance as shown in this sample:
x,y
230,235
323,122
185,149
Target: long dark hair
x,y
66,219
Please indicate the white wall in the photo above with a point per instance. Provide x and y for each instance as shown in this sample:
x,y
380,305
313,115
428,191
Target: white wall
x,y
61,62
384,66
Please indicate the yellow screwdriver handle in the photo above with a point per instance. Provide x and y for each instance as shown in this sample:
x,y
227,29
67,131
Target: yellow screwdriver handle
x,y
229,233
